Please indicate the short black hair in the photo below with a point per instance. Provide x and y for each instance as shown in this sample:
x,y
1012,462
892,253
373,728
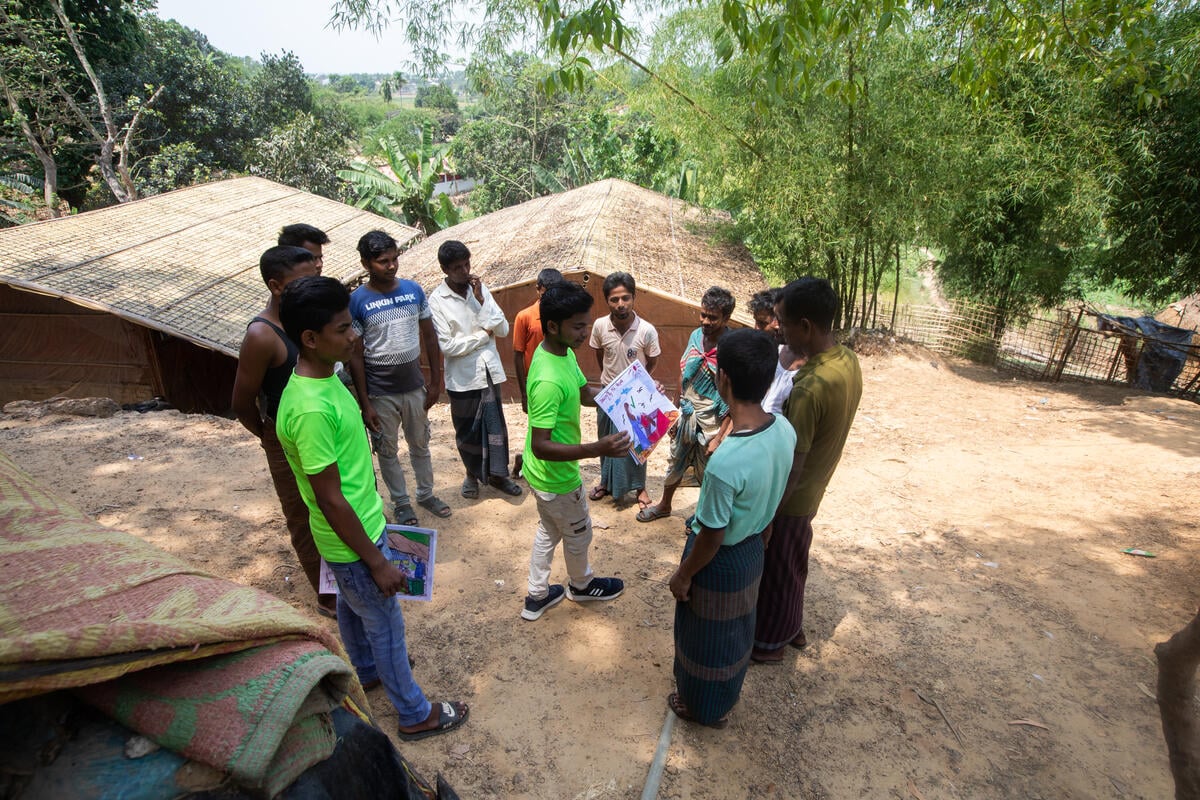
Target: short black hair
x,y
548,277
764,301
452,251
810,298
718,299
616,279
310,303
562,301
277,262
296,235
374,243
748,357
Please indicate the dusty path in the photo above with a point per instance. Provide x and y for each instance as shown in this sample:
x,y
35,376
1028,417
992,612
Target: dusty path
x,y
968,550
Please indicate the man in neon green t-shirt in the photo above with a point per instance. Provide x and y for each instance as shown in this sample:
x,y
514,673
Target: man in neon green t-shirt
x,y
326,445
556,390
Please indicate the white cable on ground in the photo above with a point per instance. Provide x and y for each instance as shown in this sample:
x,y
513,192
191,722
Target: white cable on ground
x,y
650,792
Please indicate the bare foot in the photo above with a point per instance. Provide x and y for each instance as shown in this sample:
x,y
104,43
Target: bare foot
x,y
643,499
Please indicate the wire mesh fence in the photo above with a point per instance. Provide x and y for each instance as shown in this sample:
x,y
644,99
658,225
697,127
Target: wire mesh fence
x,y
1076,344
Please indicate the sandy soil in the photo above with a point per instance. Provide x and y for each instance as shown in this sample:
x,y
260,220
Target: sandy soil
x,y
968,550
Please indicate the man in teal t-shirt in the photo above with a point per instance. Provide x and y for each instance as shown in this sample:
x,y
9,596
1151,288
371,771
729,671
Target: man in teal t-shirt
x,y
326,446
556,390
716,585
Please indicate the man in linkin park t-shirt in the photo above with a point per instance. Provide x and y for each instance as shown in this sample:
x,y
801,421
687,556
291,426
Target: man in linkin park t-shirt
x,y
395,322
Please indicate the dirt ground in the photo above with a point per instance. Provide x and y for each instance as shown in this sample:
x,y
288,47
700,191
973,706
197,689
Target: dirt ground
x,y
968,552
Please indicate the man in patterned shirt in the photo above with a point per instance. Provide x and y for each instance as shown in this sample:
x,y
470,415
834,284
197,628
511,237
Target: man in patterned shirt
x,y
393,317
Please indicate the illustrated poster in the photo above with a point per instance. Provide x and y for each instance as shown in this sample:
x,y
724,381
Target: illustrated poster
x,y
638,408
414,551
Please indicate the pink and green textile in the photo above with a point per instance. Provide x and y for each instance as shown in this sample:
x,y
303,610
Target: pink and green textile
x,y
221,673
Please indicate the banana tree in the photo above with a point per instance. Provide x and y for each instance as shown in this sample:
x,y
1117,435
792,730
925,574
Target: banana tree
x,y
404,190
13,209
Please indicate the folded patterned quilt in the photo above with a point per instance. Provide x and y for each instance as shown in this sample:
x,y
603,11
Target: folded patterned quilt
x,y
221,673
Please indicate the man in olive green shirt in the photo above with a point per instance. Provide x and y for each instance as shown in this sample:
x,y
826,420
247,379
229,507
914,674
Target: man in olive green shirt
x,y
821,406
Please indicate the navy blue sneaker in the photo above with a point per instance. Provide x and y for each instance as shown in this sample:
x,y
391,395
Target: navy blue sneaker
x,y
535,608
598,589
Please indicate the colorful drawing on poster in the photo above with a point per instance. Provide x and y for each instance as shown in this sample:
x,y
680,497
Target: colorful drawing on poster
x,y
636,406
414,552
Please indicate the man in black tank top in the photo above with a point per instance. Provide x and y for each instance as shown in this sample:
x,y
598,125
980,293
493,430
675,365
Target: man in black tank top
x,y
265,364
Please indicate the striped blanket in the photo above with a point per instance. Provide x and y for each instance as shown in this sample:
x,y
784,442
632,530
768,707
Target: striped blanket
x,y
221,673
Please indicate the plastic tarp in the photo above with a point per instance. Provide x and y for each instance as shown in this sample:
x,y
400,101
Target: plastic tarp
x,y
1164,351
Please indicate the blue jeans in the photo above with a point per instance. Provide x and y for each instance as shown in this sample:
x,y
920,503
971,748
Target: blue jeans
x,y
372,629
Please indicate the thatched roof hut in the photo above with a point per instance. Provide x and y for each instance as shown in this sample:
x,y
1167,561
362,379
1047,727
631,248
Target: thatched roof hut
x,y
152,297
1184,313
674,250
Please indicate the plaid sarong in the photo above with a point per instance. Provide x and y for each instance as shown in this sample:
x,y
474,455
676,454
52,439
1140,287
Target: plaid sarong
x,y
619,474
480,432
714,629
785,573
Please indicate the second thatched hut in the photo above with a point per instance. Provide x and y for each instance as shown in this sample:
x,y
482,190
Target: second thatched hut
x,y
674,250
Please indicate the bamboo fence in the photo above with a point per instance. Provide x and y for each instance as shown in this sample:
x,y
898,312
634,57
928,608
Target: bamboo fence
x,y
1063,345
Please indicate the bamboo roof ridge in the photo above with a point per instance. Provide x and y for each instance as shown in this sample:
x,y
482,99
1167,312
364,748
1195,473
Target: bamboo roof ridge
x,y
608,226
184,262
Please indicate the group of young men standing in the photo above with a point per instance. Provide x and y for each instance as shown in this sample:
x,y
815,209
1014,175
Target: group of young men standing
x,y
315,434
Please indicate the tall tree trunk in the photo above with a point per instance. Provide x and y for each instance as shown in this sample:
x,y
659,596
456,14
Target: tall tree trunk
x,y
49,165
104,161
842,262
112,159
896,292
850,298
850,217
876,279
1178,658
49,182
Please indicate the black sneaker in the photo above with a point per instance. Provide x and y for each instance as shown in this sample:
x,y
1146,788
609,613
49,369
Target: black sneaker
x,y
535,608
598,589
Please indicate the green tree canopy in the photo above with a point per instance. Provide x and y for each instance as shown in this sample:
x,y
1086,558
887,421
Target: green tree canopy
x,y
818,124
436,95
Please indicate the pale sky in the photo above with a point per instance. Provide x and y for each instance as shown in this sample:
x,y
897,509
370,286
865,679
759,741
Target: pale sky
x,y
249,27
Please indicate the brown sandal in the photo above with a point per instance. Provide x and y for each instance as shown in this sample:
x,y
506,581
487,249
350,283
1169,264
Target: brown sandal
x,y
681,711
766,656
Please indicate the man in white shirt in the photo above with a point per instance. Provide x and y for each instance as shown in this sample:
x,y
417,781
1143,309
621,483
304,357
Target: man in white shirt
x,y
468,321
618,340
762,306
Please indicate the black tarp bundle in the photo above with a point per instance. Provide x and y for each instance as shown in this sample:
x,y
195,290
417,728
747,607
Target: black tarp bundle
x,y
53,746
1164,350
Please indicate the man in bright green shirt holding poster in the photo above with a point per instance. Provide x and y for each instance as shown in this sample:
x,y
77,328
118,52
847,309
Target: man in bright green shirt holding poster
x,y
556,389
